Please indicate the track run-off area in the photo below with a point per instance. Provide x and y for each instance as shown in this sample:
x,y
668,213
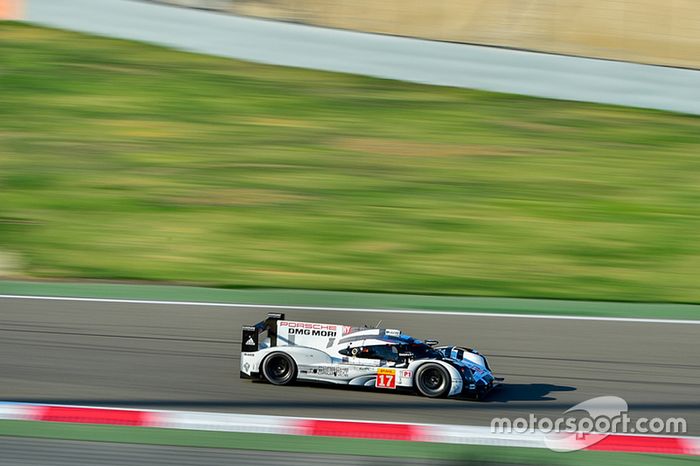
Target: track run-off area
x,y
429,62
186,356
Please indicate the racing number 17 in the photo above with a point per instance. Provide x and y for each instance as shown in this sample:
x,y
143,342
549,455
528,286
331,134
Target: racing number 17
x,y
386,378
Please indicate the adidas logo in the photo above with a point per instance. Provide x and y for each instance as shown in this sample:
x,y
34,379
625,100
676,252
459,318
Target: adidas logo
x,y
250,342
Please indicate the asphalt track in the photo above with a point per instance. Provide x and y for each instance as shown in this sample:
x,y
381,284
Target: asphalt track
x,y
186,357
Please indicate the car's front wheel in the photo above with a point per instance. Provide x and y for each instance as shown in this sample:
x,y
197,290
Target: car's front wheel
x,y
279,369
432,380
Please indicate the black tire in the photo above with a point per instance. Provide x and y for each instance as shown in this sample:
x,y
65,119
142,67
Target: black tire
x,y
279,369
433,380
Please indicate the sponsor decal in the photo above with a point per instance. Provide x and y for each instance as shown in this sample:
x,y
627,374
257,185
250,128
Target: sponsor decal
x,y
290,324
250,342
313,333
309,329
386,378
332,371
406,374
392,332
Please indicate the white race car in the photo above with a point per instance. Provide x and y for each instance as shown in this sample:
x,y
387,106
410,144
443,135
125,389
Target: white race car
x,y
283,351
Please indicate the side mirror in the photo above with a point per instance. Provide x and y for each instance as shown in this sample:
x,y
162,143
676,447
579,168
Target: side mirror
x,y
431,342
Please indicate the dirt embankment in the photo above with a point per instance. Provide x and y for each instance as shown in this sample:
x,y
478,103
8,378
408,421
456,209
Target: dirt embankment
x,y
645,31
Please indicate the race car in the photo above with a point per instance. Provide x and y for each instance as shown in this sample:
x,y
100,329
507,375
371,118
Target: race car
x,y
282,351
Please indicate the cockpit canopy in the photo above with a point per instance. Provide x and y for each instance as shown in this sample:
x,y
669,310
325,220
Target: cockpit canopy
x,y
390,349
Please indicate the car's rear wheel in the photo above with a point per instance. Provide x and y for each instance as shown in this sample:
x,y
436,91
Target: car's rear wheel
x,y
279,369
432,380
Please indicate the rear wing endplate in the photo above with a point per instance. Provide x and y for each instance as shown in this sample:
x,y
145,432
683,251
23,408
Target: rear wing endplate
x,y
250,334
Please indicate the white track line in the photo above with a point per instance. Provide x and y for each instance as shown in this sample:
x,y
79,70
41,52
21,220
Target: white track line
x,y
355,309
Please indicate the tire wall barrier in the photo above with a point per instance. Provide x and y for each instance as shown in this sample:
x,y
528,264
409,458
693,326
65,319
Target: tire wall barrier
x,y
646,31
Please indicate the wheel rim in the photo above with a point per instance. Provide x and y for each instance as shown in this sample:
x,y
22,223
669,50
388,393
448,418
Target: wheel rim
x,y
432,381
279,368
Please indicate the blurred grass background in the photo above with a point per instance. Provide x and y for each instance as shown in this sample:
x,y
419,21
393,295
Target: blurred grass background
x,y
120,160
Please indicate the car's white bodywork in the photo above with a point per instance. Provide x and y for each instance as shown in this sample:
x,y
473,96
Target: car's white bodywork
x,y
338,354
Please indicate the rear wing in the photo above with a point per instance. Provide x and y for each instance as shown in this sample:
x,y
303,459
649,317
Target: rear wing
x,y
250,334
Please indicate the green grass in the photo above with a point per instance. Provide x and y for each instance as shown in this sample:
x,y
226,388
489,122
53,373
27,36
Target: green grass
x,y
267,442
125,161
